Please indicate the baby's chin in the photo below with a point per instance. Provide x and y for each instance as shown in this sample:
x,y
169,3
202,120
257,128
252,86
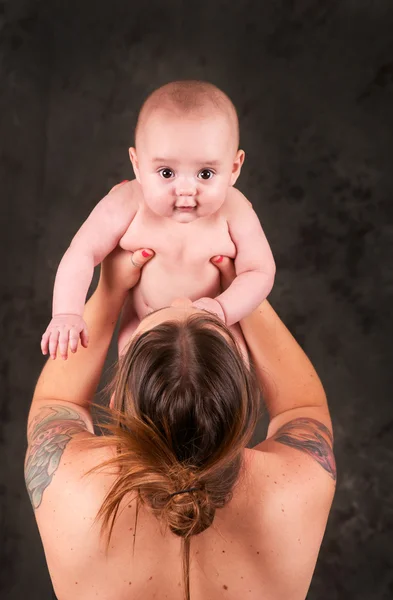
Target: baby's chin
x,y
185,216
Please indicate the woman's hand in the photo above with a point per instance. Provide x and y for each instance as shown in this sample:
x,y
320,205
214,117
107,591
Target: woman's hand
x,y
227,270
121,269
227,275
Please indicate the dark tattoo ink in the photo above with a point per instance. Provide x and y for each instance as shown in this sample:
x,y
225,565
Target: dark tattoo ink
x,y
309,436
49,434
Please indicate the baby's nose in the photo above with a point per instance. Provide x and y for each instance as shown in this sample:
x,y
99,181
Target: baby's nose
x,y
181,302
185,188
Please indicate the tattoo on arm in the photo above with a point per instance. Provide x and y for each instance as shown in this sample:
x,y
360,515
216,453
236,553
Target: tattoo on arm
x,y
49,434
312,437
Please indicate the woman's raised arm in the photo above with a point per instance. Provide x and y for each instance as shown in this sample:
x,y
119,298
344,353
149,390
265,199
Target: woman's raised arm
x,y
290,384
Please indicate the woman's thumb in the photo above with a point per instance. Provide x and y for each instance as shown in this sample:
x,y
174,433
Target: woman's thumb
x,y
140,257
227,269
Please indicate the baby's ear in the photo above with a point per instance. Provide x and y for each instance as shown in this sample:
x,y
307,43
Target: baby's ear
x,y
237,165
134,161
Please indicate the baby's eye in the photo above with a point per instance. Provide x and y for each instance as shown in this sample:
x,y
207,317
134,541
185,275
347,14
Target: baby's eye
x,y
207,172
166,173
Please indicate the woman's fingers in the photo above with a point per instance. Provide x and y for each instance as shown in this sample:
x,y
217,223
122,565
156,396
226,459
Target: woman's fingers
x,y
121,269
227,270
140,257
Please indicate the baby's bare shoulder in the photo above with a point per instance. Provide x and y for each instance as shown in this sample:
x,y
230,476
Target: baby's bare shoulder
x,y
125,196
236,196
129,189
235,202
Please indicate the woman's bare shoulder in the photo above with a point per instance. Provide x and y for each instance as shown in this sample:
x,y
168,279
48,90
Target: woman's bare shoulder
x,y
292,503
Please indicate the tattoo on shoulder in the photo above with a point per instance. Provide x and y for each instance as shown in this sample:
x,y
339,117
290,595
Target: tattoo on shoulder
x,y
49,434
312,437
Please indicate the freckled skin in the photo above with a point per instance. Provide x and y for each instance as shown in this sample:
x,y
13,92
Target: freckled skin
x,y
49,434
310,436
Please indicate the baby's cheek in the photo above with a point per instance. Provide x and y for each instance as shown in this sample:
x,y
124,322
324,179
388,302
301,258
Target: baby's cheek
x,y
160,205
212,203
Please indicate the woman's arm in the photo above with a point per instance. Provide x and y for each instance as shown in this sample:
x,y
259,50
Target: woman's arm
x,y
287,377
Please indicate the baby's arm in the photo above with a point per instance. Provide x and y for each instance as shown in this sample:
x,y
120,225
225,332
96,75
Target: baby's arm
x,y
95,239
254,263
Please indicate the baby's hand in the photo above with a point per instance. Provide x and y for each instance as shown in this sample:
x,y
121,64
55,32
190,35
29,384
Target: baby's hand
x,y
61,330
211,305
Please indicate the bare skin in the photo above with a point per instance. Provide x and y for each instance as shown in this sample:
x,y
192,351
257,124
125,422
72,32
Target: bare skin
x,y
182,205
263,544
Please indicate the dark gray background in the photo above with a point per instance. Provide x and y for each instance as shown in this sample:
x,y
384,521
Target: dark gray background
x,y
313,84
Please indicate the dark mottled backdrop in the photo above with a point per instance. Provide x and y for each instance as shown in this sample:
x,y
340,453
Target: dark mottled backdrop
x,y
313,84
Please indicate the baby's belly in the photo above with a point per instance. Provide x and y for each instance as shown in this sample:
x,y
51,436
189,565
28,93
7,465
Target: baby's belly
x,y
161,283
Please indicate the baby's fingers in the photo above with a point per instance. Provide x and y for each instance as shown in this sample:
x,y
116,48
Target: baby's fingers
x,y
53,341
44,343
73,339
63,342
84,337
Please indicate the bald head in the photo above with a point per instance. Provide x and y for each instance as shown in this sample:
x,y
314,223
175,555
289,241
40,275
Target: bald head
x,y
191,99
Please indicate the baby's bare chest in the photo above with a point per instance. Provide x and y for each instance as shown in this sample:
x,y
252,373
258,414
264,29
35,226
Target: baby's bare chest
x,y
188,243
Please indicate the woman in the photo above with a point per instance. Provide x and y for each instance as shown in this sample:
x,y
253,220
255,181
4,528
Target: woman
x,y
184,407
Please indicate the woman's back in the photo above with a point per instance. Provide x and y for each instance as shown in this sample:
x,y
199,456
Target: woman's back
x,y
262,545
265,540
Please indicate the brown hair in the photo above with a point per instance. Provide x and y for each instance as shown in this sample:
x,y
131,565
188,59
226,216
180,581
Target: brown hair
x,y
185,407
189,96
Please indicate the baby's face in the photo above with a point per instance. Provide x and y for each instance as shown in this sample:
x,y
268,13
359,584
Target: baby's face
x,y
185,165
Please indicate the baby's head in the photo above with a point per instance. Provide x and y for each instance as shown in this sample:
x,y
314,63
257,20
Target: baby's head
x,y
186,149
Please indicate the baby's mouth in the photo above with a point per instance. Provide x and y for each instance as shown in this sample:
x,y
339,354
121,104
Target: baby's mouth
x,y
185,208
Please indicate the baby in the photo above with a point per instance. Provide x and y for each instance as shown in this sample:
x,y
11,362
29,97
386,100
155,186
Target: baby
x,y
183,206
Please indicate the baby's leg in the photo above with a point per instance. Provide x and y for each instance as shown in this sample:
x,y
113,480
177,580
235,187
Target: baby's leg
x,y
129,321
